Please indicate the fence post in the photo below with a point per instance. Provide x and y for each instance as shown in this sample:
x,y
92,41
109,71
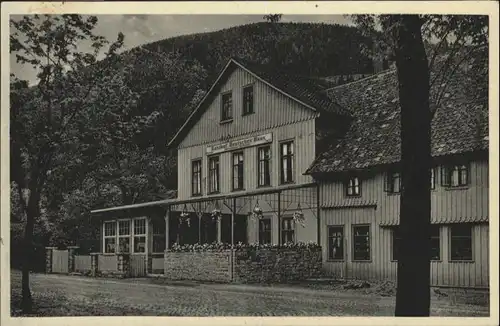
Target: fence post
x,y
93,263
71,258
48,259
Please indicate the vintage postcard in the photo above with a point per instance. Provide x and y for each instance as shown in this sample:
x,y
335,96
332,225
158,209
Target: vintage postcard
x,y
267,163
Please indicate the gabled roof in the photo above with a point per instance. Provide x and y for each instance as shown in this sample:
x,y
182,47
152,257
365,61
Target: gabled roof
x,y
305,90
460,123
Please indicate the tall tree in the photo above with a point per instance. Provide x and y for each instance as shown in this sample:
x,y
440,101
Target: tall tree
x,y
273,18
410,40
48,120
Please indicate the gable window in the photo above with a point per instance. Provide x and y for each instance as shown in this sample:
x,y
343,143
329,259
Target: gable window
x,y
226,106
196,177
393,182
110,237
287,230
124,236
435,242
335,242
461,242
140,235
238,171
213,174
248,100
287,152
455,175
353,187
361,242
159,235
265,230
264,166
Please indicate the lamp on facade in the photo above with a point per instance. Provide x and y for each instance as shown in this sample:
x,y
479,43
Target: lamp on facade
x,y
298,216
216,213
185,216
257,211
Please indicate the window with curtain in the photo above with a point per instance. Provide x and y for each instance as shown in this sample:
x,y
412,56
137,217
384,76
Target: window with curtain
x,y
335,242
110,237
248,100
287,230
353,187
226,106
196,177
238,171
124,236
214,174
287,168
264,166
140,235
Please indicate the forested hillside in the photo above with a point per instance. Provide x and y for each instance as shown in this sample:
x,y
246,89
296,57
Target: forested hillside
x,y
115,153
173,73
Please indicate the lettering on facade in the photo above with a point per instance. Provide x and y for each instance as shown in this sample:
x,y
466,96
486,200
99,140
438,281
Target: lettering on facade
x,y
241,143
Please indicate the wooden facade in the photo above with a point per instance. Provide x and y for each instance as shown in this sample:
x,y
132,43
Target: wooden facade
x,y
274,114
380,210
323,202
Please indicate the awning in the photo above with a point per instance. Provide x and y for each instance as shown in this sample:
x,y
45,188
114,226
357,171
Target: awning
x,y
168,202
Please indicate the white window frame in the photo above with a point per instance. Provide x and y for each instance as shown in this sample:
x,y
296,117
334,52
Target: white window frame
x,y
118,236
145,235
109,236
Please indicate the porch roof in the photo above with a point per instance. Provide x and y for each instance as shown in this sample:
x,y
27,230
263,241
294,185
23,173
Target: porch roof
x,y
175,201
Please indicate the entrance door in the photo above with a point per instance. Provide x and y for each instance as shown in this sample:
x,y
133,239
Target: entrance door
x,y
137,265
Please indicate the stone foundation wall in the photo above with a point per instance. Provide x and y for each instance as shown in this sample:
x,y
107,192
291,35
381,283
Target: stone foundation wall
x,y
200,266
249,266
277,265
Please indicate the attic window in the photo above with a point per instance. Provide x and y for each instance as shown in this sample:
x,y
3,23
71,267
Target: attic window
x,y
226,106
393,182
455,175
353,187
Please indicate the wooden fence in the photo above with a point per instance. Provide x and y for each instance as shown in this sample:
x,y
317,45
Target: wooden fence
x,y
60,261
83,264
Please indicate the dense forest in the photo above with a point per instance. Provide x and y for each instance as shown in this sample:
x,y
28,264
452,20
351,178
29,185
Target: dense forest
x,y
119,156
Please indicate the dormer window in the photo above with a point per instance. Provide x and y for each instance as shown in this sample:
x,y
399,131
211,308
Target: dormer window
x,y
393,182
248,100
455,175
226,107
353,186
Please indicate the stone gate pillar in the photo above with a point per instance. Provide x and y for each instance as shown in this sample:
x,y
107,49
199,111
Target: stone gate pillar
x,y
48,259
93,263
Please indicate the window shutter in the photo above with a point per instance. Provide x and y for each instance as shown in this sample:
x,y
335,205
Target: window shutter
x,y
445,181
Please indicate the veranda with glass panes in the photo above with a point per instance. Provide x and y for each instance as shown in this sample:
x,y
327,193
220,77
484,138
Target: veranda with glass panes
x,y
276,215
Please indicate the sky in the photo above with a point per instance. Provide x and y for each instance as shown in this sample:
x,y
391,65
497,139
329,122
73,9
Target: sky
x,y
142,29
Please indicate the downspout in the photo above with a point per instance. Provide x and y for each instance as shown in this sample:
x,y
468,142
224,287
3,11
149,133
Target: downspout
x,y
232,238
279,217
318,210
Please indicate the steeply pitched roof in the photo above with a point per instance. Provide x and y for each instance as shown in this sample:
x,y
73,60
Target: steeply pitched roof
x,y
308,91
460,124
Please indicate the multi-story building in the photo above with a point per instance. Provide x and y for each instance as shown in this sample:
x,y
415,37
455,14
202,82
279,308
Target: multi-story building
x,y
284,158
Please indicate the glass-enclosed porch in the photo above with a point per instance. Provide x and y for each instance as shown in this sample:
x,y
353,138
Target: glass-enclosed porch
x,y
268,216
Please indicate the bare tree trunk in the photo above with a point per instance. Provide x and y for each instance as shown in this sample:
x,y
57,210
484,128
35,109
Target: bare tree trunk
x,y
413,293
27,300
